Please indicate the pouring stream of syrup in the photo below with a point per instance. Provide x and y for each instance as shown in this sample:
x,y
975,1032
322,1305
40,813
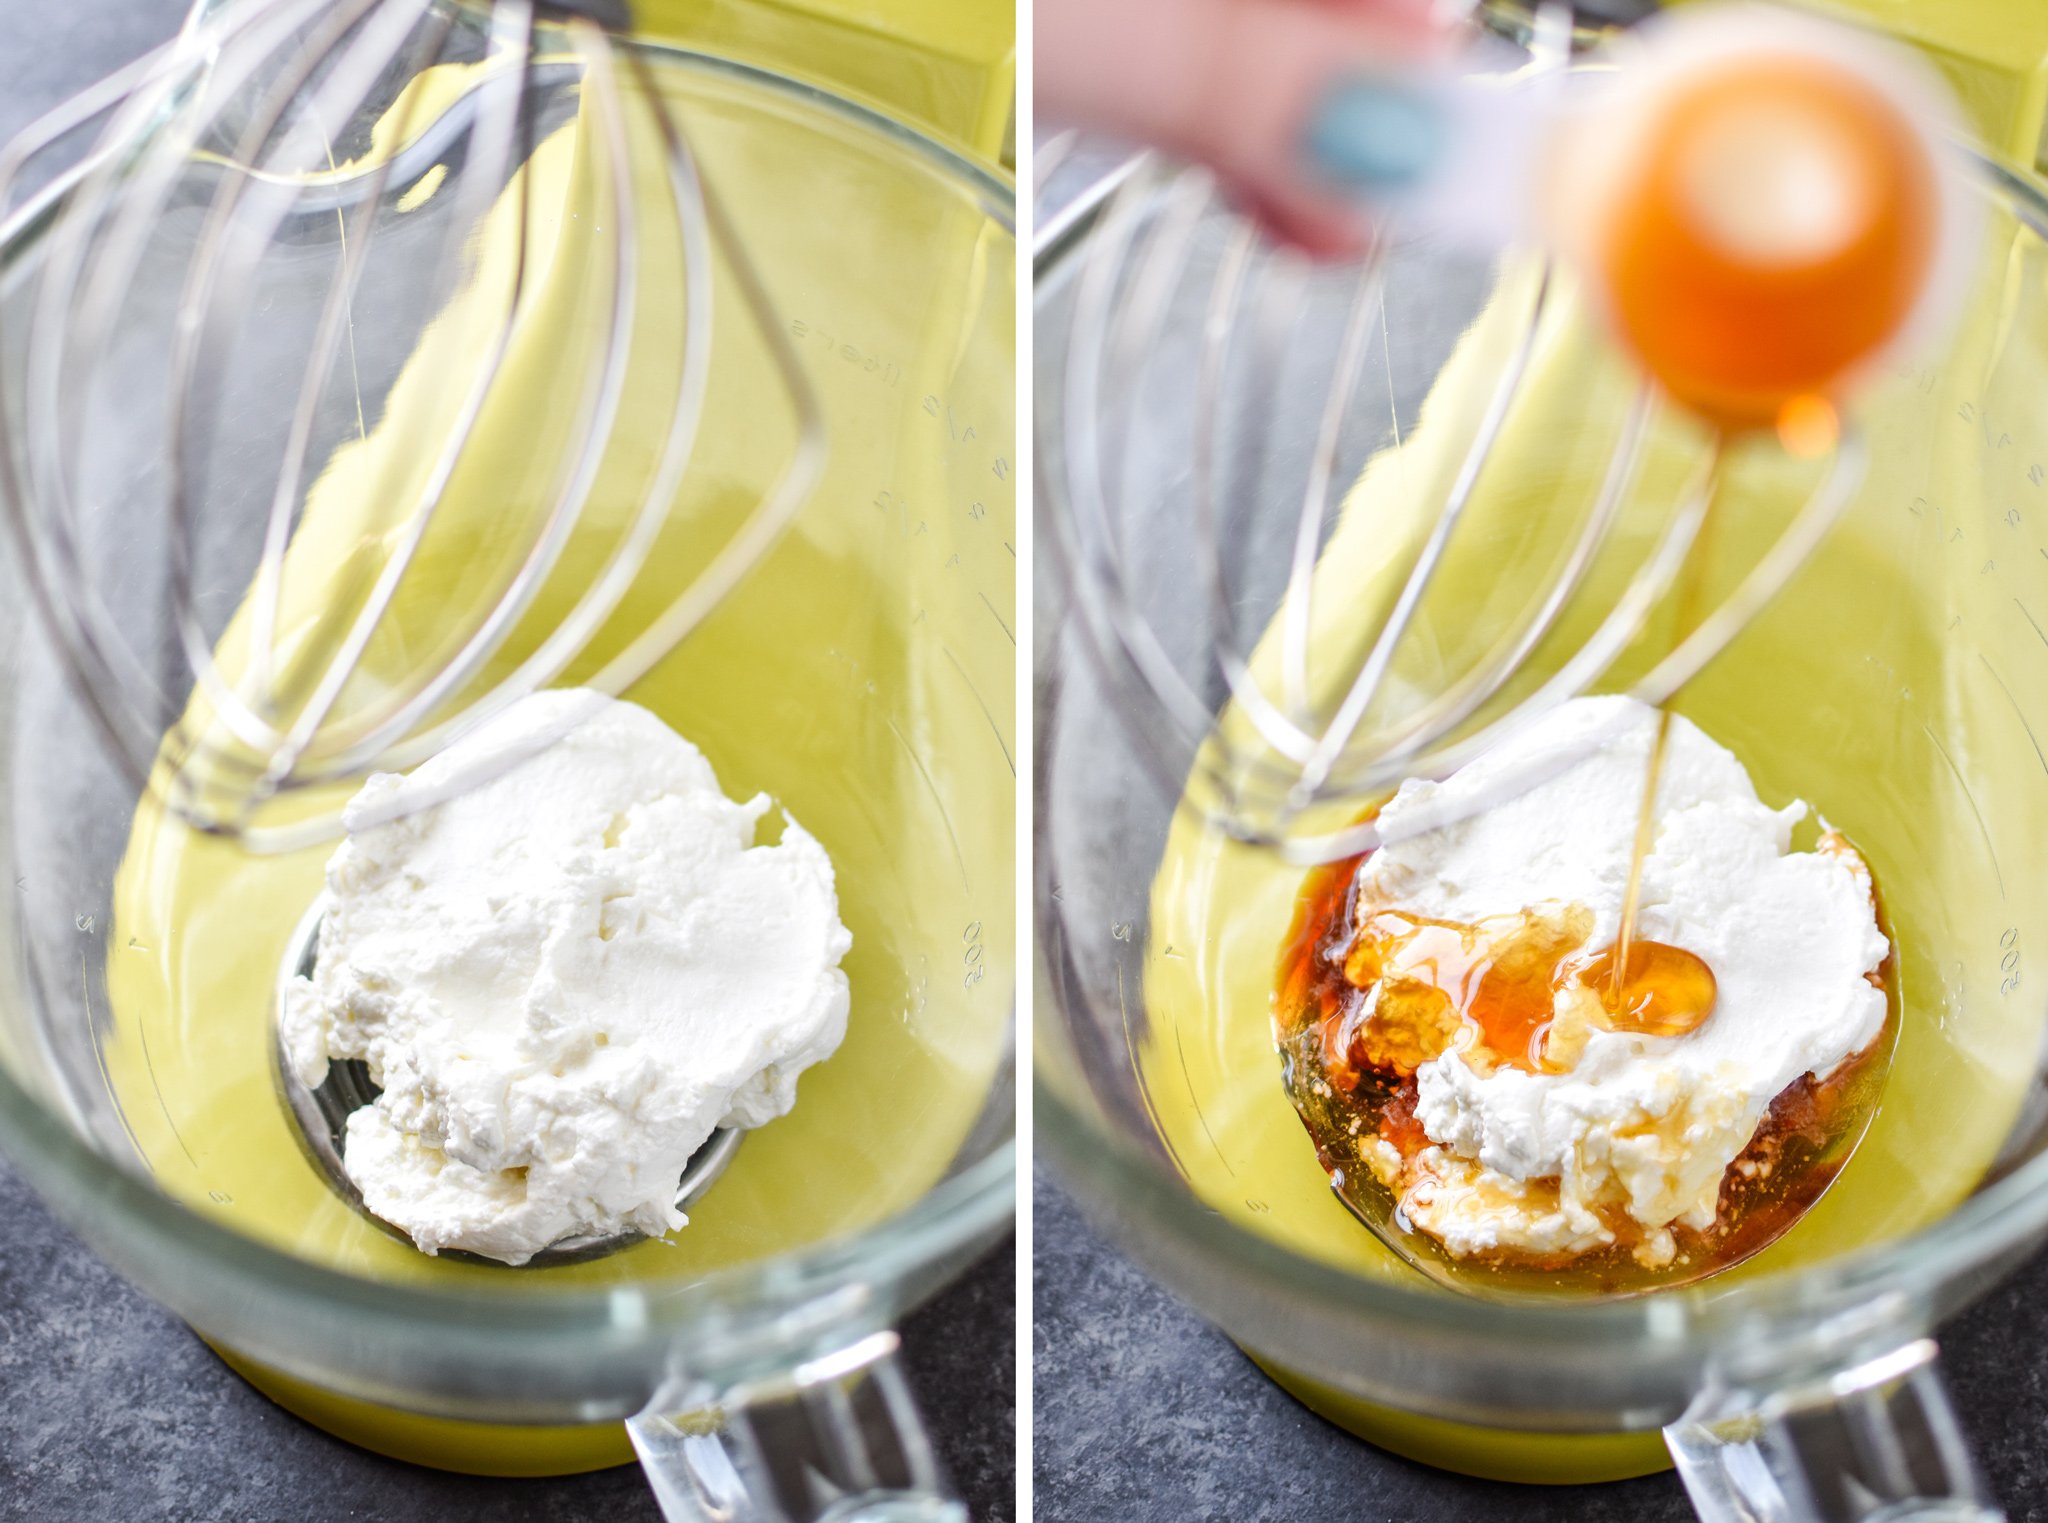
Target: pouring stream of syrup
x,y
1652,986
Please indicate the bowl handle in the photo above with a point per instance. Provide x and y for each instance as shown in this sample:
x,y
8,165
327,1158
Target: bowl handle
x,y
839,1439
1878,1441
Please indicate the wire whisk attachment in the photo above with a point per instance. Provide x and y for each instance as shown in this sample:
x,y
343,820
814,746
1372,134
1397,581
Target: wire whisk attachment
x,y
1315,558
425,300
1580,413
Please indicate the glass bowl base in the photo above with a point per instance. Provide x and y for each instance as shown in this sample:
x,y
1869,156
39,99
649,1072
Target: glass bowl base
x,y
1495,1454
443,1443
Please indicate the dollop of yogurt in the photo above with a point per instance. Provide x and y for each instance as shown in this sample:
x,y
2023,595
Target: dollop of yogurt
x,y
1639,1127
566,962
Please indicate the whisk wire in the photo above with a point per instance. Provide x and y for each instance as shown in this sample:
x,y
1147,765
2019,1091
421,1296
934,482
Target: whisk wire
x,y
784,496
257,100
250,720
1767,577
1292,737
1218,323
1365,686
1099,544
41,137
612,582
1458,702
336,318
1255,757
1296,604
596,414
78,299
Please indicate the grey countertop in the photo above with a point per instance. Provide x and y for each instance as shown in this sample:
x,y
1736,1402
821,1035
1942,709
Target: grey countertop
x,y
1142,1413
109,1408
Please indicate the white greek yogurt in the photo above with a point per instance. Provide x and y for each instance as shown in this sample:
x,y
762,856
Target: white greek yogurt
x,y
566,964
1540,1162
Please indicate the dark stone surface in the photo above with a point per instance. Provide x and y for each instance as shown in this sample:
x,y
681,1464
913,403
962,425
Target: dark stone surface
x,y
1142,1413
109,1408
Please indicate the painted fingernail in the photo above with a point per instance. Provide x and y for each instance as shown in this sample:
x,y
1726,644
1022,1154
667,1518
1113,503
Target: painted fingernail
x,y
1373,135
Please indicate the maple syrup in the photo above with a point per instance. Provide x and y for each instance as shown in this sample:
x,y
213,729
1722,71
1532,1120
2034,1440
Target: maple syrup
x,y
1652,988
1621,964
1492,990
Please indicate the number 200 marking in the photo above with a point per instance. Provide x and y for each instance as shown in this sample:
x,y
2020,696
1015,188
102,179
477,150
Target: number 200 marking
x,y
2009,964
972,956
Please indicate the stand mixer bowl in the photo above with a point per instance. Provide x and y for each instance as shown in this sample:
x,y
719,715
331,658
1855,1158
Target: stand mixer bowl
x,y
1899,684
861,675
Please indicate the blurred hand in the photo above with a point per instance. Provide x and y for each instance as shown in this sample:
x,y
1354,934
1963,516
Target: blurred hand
x,y
1241,85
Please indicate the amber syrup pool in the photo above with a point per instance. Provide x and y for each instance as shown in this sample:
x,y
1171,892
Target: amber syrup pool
x,y
1352,1081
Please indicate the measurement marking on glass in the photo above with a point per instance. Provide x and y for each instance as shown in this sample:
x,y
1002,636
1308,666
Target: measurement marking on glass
x,y
1011,637
971,958
994,728
871,361
955,430
1138,1073
149,1067
2022,607
938,801
1962,783
99,1057
2039,754
1188,1079
891,502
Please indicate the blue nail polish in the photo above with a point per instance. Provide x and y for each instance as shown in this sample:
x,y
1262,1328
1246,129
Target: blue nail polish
x,y
1374,136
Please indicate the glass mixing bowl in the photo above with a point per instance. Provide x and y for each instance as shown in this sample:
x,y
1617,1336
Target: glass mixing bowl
x,y
1900,684
862,675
